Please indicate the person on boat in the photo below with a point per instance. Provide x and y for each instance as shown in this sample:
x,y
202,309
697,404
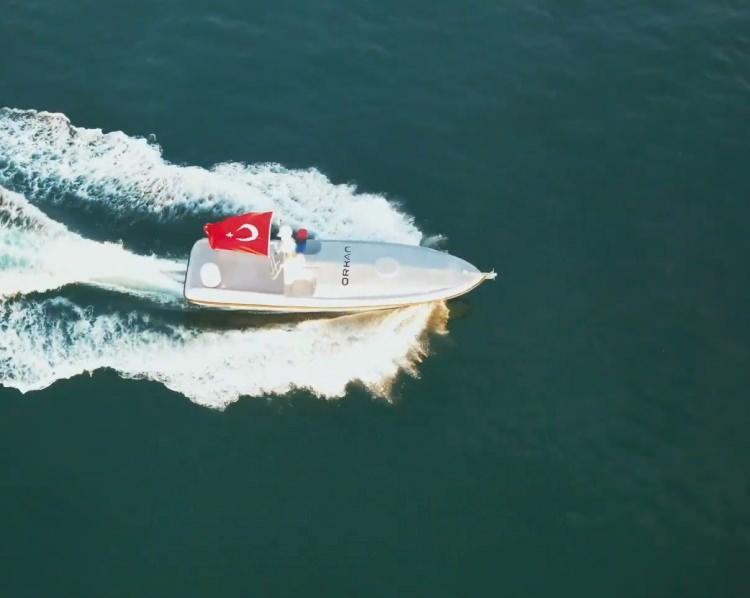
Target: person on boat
x,y
301,240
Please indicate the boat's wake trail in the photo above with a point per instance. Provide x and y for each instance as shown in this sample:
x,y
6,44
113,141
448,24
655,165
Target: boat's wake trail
x,y
38,254
46,336
45,341
47,158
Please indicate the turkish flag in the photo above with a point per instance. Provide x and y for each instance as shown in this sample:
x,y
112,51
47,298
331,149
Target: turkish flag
x,y
249,232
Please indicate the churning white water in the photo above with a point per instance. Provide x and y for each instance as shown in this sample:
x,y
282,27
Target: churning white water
x,y
45,336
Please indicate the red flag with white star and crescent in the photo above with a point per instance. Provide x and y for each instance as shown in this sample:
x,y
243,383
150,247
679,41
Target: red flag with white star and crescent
x,y
249,232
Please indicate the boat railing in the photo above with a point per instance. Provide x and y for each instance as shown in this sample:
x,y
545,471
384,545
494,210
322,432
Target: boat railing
x,y
277,262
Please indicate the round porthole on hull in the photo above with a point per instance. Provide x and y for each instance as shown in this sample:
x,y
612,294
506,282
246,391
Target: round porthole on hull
x,y
210,275
386,267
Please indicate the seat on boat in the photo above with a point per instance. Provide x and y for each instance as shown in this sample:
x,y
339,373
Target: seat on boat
x,y
299,281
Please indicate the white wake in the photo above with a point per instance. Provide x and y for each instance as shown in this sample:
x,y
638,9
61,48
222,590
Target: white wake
x,y
53,339
45,338
52,157
38,254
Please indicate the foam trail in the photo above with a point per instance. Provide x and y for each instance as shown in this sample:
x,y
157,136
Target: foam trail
x,y
38,254
44,155
42,342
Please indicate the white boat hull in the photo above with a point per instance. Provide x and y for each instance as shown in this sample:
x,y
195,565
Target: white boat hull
x,y
340,276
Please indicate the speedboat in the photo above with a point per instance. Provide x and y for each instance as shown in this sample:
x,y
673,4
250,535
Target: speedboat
x,y
325,276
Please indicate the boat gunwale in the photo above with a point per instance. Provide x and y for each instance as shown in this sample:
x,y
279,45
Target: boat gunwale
x,y
341,309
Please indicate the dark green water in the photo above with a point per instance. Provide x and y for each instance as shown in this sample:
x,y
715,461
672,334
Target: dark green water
x,y
583,428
